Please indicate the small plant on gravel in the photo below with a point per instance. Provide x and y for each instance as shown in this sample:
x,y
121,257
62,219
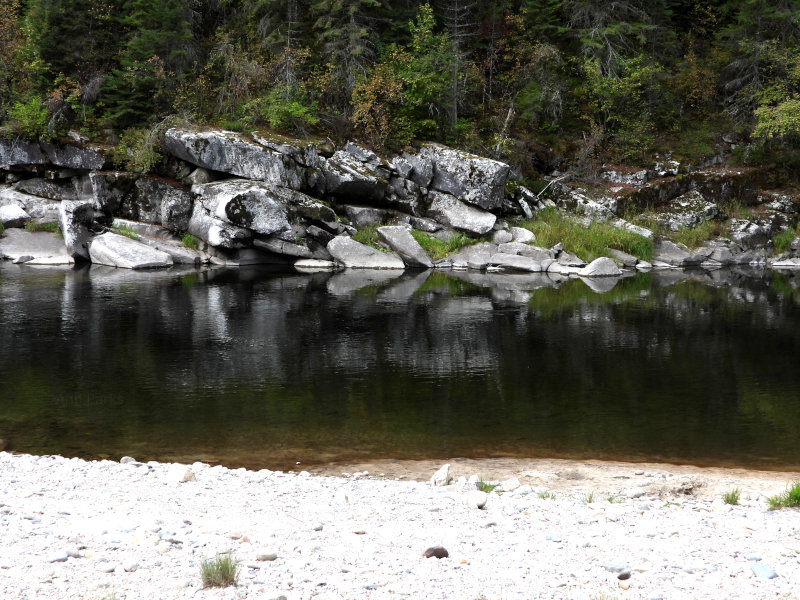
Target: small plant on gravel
x,y
615,500
788,499
126,231
731,497
545,495
220,571
589,498
485,486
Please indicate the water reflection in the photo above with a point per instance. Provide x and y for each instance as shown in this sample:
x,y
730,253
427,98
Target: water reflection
x,y
262,368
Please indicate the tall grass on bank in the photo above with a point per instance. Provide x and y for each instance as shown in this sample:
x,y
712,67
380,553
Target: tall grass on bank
x,y
589,242
437,248
788,499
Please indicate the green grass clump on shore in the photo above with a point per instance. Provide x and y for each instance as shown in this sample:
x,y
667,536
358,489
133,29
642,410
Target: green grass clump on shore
x,y
126,231
589,242
437,248
732,496
782,240
695,236
35,227
220,571
189,241
788,499
369,237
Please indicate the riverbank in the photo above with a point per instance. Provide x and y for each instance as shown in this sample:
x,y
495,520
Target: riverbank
x,y
101,530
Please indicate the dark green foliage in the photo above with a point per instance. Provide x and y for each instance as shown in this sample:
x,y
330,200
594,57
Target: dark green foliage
x,y
586,78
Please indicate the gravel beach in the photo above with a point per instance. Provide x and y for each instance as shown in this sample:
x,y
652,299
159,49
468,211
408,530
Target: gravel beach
x,y
107,530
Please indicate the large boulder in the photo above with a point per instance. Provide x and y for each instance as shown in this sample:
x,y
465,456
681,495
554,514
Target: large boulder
x,y
347,177
365,216
253,205
669,253
232,153
12,215
15,151
600,267
216,232
73,220
687,211
353,255
399,239
120,251
448,210
86,158
473,179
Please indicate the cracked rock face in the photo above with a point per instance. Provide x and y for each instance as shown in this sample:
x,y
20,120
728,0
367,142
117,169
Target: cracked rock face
x,y
450,211
472,179
249,204
687,211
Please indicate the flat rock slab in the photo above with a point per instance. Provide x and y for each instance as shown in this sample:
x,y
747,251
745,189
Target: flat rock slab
x,y
450,211
42,247
12,215
399,239
353,255
120,251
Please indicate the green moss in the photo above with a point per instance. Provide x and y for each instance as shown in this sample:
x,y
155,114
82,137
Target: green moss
x,y
589,242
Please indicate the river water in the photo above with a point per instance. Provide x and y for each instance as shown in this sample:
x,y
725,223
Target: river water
x,y
259,368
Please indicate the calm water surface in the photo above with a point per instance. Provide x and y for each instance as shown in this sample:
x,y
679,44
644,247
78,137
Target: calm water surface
x,y
264,369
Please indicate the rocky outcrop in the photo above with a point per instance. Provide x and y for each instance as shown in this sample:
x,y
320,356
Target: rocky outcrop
x,y
86,158
353,255
120,251
233,153
216,232
346,176
14,151
687,211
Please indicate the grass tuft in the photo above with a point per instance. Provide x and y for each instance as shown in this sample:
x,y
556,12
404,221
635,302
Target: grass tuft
x,y
589,498
788,499
782,240
436,248
126,231
593,241
732,496
220,571
546,495
189,241
694,237
35,227
369,237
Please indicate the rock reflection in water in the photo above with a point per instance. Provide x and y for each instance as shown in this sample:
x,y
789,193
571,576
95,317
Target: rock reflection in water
x,y
261,368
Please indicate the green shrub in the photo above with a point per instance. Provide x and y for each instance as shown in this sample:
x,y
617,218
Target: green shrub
x,y
220,571
136,150
732,496
788,499
552,226
437,248
29,119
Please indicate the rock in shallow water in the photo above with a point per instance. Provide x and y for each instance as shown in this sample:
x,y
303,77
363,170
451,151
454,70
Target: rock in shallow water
x,y
119,251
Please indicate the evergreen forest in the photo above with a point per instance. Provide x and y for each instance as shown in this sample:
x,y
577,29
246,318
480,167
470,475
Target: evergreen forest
x,y
545,84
